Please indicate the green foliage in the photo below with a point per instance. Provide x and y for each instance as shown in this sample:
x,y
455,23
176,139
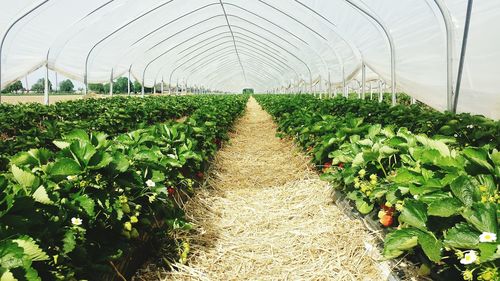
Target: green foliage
x,y
441,186
14,87
39,86
66,212
66,86
96,88
120,85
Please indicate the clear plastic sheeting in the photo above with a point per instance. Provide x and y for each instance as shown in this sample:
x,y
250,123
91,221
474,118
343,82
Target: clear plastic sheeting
x,y
262,44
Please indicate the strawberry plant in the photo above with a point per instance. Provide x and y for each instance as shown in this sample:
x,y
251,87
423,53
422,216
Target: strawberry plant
x,y
67,213
436,195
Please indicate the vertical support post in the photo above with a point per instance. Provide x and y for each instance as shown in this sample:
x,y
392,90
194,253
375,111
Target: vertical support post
x,y
129,81
27,85
363,80
413,100
111,84
57,83
329,85
449,52
380,92
154,88
162,85
371,91
46,86
462,54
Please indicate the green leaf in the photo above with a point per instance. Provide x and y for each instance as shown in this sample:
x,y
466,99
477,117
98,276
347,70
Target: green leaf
x,y
31,248
399,241
404,176
24,178
65,167
414,213
100,160
69,241
489,251
440,146
478,156
431,246
445,207
482,216
463,188
41,196
61,144
120,162
363,207
462,236
87,204
77,134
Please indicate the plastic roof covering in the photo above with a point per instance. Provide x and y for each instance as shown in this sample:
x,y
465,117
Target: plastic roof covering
x,y
264,44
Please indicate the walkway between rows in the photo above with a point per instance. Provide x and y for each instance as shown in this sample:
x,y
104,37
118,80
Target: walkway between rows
x,y
265,215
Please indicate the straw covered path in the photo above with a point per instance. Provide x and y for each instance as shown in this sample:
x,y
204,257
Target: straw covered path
x,y
265,215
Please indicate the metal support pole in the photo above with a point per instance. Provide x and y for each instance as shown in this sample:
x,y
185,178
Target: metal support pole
x,y
413,100
363,80
462,54
57,83
391,46
380,92
46,86
154,88
162,85
111,84
129,81
448,23
27,86
7,33
329,85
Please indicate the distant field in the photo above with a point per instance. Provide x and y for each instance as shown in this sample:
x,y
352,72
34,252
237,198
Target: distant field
x,y
30,98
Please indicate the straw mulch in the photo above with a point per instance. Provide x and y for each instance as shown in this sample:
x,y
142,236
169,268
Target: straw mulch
x,y
265,215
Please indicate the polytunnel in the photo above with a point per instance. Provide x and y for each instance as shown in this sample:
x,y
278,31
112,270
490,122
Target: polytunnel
x,y
263,44
249,140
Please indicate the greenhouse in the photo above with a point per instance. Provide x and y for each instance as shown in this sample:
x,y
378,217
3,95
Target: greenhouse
x,y
249,140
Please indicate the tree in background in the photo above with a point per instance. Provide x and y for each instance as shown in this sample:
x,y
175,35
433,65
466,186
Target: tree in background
x,y
14,87
97,88
39,86
137,87
66,86
121,85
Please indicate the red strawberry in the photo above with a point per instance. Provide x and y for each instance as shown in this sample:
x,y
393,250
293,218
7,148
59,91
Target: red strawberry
x,y
200,175
327,165
387,220
388,210
341,165
171,191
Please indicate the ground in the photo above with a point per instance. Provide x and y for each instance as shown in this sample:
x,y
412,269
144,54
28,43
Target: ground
x,y
266,215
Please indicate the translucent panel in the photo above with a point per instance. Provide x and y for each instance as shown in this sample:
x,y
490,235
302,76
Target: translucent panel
x,y
262,44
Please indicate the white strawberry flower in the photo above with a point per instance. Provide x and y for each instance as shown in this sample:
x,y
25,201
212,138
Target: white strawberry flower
x,y
72,178
76,221
487,237
469,258
150,183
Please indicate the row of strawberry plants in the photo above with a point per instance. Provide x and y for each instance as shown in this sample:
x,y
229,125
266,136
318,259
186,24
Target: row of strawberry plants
x,y
69,214
438,200
467,129
27,126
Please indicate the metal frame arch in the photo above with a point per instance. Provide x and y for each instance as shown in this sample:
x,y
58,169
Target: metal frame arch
x,y
113,33
448,23
7,33
390,40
